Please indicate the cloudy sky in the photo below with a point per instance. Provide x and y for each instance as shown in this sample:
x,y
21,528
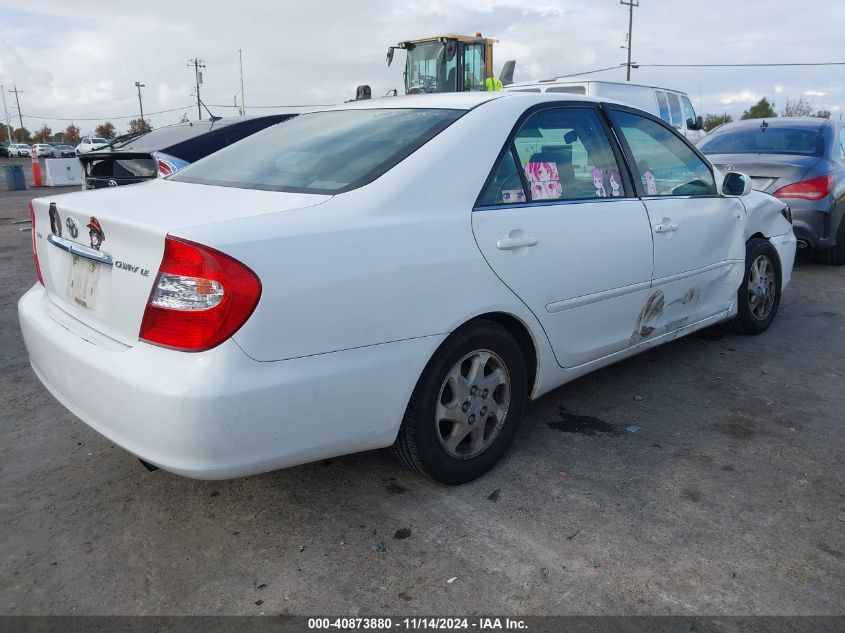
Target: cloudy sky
x,y
80,59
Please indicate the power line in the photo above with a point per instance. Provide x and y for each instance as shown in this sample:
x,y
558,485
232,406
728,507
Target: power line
x,y
739,65
105,118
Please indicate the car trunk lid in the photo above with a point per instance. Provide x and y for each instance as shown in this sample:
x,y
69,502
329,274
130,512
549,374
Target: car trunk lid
x,y
100,251
768,172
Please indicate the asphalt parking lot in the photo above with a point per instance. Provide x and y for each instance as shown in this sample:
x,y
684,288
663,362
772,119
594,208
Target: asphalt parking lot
x,y
702,477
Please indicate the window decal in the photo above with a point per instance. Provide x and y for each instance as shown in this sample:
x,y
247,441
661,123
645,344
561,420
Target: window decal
x,y
544,181
614,183
650,183
598,182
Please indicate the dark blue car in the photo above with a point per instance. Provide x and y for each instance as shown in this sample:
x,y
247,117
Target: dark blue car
x,y
799,160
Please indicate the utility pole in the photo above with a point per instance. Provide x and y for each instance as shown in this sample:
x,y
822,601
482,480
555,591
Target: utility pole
x,y
243,103
6,115
630,4
18,101
198,66
139,85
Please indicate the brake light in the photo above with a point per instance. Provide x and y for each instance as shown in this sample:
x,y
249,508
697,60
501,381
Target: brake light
x,y
163,168
200,298
34,249
813,189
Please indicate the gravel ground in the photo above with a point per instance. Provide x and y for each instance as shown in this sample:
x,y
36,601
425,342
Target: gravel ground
x,y
702,477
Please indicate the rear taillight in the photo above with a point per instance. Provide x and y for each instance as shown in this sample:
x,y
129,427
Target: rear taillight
x,y
163,168
201,297
813,189
34,249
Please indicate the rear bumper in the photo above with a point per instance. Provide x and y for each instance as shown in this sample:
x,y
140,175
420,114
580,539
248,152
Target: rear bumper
x,y
219,414
817,228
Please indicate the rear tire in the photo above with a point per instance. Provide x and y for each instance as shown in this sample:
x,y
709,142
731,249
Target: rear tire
x,y
466,406
758,297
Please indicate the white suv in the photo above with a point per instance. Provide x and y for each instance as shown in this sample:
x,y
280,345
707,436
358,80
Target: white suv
x,y
90,144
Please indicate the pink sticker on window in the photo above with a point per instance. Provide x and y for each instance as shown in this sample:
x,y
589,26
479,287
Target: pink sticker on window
x,y
544,181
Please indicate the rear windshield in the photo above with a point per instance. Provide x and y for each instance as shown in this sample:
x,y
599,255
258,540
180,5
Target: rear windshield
x,y
321,152
768,140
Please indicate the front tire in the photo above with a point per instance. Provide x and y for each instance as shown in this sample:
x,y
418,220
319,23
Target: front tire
x,y
466,406
758,297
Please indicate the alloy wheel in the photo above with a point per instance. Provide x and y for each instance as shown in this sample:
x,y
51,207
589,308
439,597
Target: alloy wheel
x,y
472,404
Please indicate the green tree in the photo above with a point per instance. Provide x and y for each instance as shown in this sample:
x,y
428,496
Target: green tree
x,y
139,125
763,109
72,135
105,130
712,121
43,135
21,135
799,107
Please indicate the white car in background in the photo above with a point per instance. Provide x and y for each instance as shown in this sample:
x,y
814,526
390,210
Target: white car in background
x,y
91,144
44,150
405,272
21,150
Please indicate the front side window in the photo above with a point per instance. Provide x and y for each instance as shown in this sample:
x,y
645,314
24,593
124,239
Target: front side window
x,y
563,154
666,165
321,152
689,111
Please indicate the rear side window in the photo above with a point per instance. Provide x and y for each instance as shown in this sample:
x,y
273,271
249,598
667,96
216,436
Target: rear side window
x,y
559,154
666,165
322,152
573,90
662,105
675,110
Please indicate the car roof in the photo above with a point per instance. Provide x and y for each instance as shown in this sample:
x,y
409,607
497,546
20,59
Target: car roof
x,y
456,100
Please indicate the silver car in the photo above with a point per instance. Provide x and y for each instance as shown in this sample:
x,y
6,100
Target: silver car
x,y
799,160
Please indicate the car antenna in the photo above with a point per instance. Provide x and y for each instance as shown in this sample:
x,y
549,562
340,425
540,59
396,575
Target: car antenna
x,y
211,117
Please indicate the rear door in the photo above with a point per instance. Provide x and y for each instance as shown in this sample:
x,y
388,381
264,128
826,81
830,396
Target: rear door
x,y
699,244
559,223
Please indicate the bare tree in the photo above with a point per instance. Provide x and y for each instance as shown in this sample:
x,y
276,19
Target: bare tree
x,y
799,107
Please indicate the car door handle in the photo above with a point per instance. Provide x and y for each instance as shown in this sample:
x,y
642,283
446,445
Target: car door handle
x,y
665,227
510,243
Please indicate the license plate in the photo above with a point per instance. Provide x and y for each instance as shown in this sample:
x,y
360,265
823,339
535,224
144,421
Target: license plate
x,y
82,286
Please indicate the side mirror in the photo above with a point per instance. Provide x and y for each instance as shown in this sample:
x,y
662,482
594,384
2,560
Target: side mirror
x,y
736,184
389,56
695,124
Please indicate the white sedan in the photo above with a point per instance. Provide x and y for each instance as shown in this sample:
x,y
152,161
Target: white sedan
x,y
402,272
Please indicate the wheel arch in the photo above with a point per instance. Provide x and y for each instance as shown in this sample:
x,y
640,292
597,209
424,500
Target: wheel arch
x,y
523,336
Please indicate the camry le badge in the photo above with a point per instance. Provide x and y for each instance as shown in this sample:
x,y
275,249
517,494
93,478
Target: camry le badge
x,y
72,227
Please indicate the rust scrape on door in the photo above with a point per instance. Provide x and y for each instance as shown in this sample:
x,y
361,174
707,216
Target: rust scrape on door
x,y
649,316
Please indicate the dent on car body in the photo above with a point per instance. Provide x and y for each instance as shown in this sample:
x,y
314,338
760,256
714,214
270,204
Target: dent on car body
x,y
764,215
